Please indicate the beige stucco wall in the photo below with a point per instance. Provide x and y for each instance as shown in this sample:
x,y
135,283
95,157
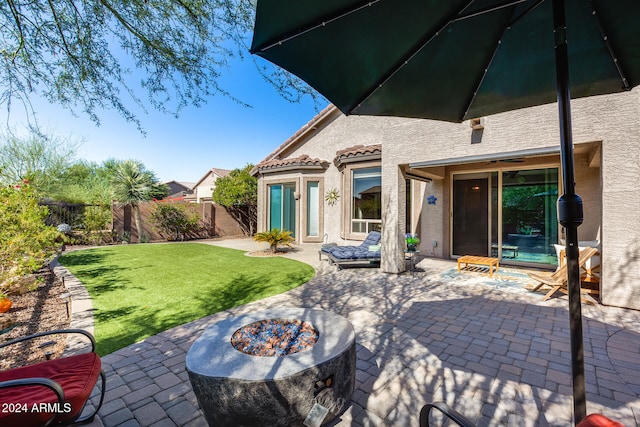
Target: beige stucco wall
x,y
606,134
341,133
205,188
608,187
621,202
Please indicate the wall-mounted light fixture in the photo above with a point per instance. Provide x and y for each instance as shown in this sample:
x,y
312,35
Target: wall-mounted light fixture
x,y
477,124
477,129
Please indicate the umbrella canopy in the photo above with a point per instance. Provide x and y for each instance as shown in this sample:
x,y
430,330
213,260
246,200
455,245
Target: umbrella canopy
x,y
448,60
455,60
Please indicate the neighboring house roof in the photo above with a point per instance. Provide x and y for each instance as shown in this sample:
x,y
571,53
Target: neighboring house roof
x,y
186,185
358,153
213,171
322,118
376,189
189,185
301,162
179,189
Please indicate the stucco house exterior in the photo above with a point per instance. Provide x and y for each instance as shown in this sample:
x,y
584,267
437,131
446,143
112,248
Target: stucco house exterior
x,y
484,187
179,189
203,189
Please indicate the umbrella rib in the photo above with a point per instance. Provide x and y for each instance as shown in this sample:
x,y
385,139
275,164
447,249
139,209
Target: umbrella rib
x,y
495,51
457,16
489,9
526,12
607,43
320,23
395,68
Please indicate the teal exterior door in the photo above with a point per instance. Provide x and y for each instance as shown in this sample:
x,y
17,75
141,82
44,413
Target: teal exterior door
x,y
282,207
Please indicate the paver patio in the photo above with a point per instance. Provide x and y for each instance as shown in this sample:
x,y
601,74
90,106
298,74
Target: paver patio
x,y
493,350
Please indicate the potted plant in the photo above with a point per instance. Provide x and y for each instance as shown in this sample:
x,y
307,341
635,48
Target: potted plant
x,y
412,241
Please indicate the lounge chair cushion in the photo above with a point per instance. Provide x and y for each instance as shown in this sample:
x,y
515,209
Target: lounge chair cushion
x,y
354,252
372,239
592,263
76,375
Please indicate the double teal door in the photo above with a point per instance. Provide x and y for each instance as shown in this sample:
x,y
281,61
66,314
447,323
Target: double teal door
x,y
282,207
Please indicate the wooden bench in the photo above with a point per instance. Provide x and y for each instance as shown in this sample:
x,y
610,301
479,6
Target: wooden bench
x,y
494,250
479,260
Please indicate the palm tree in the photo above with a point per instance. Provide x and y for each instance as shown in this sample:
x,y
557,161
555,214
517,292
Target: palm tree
x,y
133,184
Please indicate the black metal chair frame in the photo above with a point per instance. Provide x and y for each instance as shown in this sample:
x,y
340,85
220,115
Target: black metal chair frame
x,y
449,412
52,385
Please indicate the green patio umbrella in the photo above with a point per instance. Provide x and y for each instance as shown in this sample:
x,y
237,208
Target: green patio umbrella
x,y
455,60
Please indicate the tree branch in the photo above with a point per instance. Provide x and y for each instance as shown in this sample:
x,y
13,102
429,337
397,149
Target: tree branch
x,y
16,17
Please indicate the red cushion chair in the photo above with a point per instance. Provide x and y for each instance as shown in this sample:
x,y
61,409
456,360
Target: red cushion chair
x,y
593,420
52,392
597,420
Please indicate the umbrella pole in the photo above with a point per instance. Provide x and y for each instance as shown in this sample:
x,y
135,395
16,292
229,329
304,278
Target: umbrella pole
x,y
570,212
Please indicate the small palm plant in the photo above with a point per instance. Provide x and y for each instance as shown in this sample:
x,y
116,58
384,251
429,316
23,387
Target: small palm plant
x,y
274,237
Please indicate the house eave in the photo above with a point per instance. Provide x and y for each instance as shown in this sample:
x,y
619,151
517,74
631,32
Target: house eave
x,y
288,168
532,152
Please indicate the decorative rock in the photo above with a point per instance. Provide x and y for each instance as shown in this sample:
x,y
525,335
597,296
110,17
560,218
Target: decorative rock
x,y
20,285
6,321
238,389
274,337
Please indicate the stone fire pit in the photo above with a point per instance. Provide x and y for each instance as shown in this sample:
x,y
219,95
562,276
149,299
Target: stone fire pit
x,y
270,368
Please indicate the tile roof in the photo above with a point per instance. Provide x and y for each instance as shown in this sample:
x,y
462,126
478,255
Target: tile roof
x,y
215,171
221,172
303,161
357,152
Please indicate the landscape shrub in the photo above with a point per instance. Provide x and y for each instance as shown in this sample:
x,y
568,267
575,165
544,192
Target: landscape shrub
x,y
26,242
175,222
275,238
95,223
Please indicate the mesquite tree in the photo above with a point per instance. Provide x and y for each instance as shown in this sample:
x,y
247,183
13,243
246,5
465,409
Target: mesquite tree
x,y
84,55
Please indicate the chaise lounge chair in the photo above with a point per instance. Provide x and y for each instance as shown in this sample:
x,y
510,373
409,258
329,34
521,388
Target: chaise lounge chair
x,y
558,279
367,252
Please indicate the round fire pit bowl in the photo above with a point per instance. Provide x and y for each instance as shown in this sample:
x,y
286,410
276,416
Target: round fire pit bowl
x,y
266,388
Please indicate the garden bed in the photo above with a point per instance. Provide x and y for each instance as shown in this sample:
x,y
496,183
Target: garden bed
x,y
43,309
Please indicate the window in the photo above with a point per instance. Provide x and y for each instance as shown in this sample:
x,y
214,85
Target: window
x,y
366,200
313,209
282,207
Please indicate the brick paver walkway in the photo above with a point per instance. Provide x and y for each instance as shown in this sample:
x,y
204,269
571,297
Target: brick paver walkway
x,y
494,351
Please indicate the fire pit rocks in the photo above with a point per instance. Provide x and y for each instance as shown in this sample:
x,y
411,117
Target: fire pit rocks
x,y
280,367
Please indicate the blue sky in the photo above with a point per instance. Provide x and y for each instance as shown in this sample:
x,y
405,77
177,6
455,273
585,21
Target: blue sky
x,y
221,134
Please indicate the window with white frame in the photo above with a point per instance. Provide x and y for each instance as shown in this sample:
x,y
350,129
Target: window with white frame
x,y
313,209
366,200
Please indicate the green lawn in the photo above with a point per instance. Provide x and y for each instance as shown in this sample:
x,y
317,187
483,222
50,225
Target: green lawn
x,y
140,290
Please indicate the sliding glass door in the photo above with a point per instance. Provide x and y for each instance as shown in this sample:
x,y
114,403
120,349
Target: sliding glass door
x,y
529,219
510,214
